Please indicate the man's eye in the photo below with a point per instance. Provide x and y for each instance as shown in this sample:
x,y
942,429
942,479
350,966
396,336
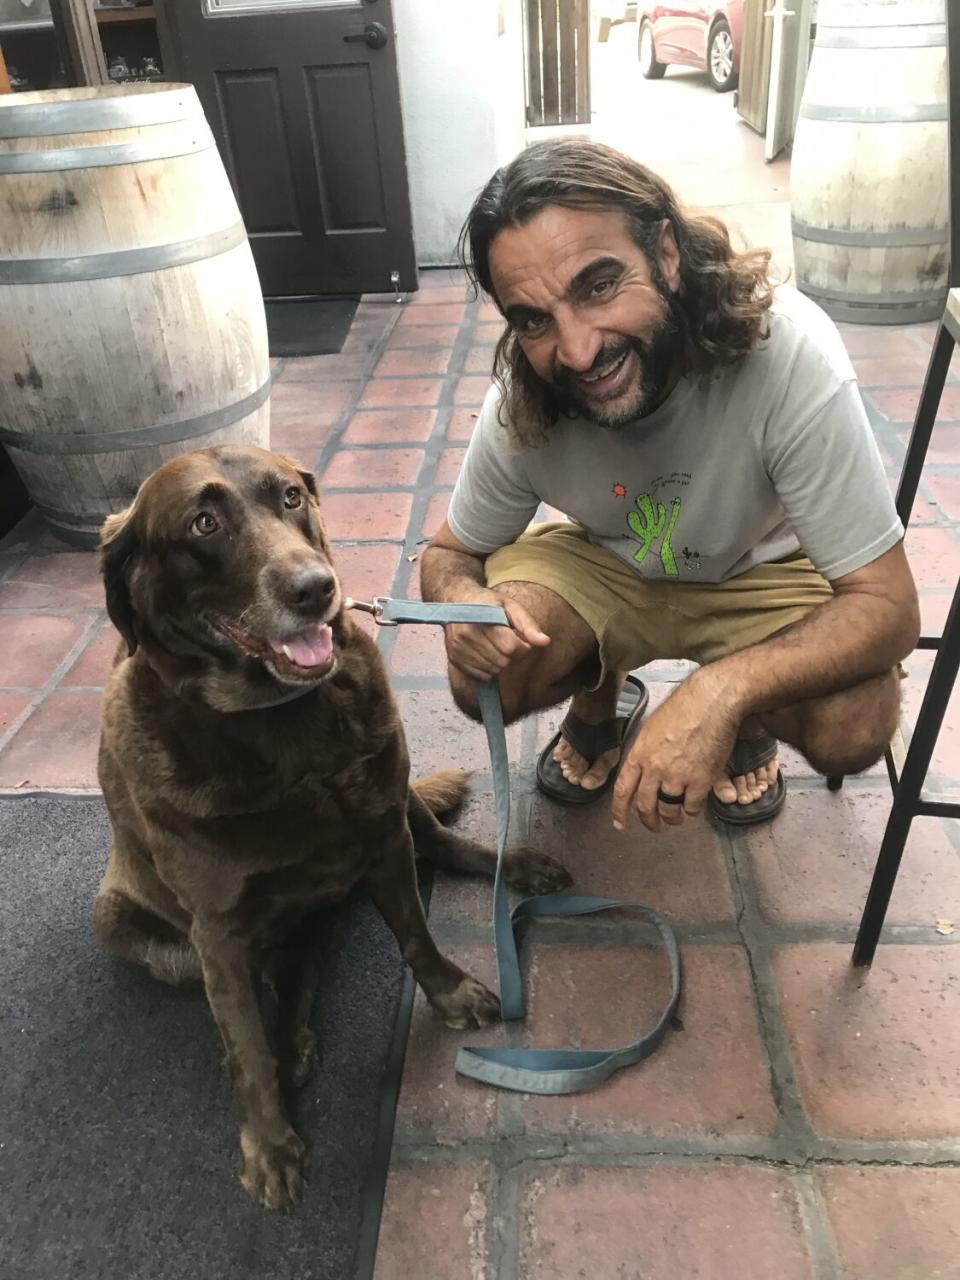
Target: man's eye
x,y
204,524
532,325
601,288
292,498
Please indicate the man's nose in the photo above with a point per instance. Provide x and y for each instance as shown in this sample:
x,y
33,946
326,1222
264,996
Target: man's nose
x,y
578,342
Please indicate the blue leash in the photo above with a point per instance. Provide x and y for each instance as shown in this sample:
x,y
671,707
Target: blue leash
x,y
548,1071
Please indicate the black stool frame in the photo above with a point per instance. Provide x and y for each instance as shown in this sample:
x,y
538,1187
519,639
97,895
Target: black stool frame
x,y
907,783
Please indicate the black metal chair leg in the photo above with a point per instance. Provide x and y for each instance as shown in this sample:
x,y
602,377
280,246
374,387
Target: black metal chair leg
x,y
834,784
906,800
933,385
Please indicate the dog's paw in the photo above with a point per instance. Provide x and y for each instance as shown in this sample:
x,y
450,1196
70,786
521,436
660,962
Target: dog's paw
x,y
469,1005
532,872
272,1171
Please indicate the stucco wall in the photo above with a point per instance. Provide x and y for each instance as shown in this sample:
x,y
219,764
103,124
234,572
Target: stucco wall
x,y
461,85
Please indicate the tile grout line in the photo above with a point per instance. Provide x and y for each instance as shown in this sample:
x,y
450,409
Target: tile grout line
x,y
815,1223
792,1125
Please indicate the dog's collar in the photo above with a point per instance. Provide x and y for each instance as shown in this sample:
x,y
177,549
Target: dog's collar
x,y
273,702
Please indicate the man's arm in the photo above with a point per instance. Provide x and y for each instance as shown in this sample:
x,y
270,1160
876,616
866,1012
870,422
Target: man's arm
x,y
872,623
452,573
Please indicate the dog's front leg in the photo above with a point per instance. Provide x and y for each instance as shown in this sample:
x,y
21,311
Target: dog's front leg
x,y
272,1153
460,1000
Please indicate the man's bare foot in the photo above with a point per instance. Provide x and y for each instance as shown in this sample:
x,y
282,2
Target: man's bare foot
x,y
748,787
594,708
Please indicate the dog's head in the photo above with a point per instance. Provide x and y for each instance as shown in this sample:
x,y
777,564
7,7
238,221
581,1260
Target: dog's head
x,y
220,569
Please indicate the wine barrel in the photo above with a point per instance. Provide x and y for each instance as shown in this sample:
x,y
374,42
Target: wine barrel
x,y
869,200
133,324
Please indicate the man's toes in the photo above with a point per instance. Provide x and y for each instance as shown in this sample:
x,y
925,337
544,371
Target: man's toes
x,y
599,771
574,766
744,792
725,791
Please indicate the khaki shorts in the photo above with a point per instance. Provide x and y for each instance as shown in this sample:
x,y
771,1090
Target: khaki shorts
x,y
636,620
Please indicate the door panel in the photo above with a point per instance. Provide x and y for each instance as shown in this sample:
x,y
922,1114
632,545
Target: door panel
x,y
345,133
257,158
304,101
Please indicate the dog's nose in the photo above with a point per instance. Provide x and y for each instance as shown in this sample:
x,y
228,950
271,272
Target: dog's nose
x,y
310,588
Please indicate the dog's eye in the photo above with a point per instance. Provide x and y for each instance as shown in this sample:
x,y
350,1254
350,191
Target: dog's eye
x,y
292,498
204,524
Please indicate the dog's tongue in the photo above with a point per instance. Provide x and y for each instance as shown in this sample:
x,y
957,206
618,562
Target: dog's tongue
x,y
309,648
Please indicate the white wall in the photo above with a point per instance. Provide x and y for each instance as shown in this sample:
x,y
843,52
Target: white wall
x,y
461,87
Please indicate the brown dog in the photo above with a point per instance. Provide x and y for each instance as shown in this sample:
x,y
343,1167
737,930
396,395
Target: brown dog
x,y
254,767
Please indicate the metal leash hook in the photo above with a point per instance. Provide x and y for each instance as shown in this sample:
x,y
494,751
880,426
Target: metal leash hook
x,y
374,607
546,1071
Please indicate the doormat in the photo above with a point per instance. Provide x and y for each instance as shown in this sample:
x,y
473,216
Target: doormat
x,y
118,1123
309,326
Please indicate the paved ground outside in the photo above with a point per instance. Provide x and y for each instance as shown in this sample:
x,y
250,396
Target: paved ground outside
x,y
806,1119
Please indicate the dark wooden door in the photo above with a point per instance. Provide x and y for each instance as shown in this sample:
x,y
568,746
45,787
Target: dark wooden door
x,y
304,100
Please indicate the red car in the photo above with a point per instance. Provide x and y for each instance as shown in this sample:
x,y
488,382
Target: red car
x,y
693,35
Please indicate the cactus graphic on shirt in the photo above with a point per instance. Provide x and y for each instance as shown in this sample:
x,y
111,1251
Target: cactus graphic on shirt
x,y
649,526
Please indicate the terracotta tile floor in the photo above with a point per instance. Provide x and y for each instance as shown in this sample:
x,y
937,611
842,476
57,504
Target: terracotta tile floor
x,y
804,1120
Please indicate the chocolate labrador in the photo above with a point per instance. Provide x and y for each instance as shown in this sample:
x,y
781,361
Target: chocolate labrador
x,y
254,767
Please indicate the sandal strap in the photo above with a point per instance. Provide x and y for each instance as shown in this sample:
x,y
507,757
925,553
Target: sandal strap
x,y
749,754
591,740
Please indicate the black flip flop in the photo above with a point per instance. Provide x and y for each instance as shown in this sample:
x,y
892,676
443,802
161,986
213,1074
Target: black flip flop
x,y
748,755
591,740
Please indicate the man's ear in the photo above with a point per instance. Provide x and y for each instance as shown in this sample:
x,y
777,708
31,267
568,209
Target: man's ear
x,y
669,256
119,546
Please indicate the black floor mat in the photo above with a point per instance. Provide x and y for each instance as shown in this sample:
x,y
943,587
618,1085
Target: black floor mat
x,y
118,1130
309,326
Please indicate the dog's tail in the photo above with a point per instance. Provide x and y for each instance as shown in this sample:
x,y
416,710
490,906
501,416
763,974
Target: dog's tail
x,y
444,791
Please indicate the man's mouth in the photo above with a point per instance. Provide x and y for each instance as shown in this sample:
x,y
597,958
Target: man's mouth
x,y
307,654
609,379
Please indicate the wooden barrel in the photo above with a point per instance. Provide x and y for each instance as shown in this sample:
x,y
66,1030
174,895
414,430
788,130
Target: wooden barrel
x,y
868,180
133,326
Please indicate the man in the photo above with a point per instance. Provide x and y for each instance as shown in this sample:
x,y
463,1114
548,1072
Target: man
x,y
704,434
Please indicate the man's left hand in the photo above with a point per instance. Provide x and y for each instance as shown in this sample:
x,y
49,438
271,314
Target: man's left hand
x,y
680,750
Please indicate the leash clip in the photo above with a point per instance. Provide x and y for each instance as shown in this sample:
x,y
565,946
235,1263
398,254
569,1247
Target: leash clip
x,y
375,608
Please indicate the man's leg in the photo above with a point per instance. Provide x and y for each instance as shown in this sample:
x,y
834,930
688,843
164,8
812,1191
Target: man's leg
x,y
844,732
841,733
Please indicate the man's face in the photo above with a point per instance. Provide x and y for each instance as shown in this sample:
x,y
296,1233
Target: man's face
x,y
589,315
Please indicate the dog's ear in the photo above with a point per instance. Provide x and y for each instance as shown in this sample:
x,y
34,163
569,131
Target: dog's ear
x,y
119,545
310,480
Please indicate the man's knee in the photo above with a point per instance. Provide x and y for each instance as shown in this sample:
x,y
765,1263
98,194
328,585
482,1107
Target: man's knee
x,y
513,697
850,731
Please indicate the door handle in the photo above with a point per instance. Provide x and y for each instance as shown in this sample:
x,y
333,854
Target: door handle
x,y
373,35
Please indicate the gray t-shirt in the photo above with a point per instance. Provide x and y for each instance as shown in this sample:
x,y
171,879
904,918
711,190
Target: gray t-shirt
x,y
765,458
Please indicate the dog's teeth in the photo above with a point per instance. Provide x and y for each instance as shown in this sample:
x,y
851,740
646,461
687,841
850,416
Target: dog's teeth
x,y
287,653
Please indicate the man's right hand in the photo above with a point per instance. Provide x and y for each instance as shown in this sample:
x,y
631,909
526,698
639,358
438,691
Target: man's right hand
x,y
481,650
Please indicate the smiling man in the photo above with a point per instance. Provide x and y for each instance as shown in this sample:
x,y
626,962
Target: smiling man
x,y
703,432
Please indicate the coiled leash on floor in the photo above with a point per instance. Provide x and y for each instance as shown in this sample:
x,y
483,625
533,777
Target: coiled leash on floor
x,y
549,1071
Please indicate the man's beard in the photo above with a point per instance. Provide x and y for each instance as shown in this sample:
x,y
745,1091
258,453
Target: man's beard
x,y
658,357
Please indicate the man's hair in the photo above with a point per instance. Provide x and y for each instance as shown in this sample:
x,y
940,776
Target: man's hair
x,y
723,296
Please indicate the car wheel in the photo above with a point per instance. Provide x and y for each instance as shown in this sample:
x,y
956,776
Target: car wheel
x,y
720,58
650,68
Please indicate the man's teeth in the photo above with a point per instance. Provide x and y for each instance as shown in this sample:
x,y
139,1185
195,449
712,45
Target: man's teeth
x,y
605,373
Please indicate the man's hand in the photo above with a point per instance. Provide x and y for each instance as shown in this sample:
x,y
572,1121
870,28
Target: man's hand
x,y
481,650
680,749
